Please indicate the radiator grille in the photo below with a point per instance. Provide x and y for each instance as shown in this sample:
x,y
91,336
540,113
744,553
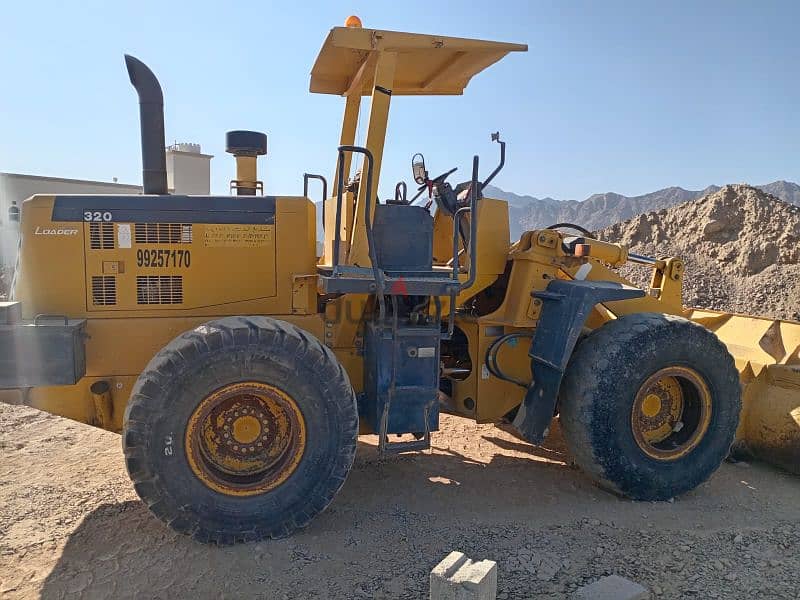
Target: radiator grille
x,y
101,236
163,233
104,290
159,289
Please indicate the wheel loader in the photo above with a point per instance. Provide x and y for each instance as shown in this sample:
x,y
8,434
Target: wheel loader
x,y
240,363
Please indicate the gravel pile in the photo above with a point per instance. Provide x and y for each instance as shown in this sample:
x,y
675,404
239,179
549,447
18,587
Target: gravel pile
x,y
741,246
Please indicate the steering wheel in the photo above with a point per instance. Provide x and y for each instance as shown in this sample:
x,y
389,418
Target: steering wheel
x,y
437,180
444,196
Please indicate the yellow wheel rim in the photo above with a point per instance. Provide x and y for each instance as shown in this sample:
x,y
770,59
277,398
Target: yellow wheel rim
x,y
245,438
671,413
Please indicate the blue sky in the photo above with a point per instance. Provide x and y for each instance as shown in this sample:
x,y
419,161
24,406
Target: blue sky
x,y
612,96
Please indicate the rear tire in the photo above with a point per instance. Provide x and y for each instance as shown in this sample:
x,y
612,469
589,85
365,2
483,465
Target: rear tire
x,y
241,429
650,405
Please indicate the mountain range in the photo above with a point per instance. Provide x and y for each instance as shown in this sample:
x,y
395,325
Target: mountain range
x,y
601,210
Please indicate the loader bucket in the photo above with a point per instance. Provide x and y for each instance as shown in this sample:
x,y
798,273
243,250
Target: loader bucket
x,y
767,354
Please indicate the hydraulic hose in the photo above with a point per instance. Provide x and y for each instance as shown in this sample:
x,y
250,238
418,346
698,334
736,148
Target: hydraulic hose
x,y
583,230
491,357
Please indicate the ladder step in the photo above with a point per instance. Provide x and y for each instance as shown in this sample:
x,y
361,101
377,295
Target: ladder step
x,y
413,388
410,331
387,447
409,446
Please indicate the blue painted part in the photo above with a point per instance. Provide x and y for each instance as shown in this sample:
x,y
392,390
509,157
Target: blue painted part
x,y
417,377
565,307
167,209
403,237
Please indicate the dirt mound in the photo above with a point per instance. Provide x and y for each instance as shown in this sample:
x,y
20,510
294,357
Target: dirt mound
x,y
741,246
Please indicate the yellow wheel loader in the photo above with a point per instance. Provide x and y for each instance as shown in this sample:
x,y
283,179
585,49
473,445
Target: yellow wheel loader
x,y
240,364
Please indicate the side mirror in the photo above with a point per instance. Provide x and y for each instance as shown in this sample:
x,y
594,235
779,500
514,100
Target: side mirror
x,y
418,169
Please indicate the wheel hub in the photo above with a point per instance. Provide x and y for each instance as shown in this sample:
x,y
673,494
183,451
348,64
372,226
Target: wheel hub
x,y
651,405
247,429
245,438
671,413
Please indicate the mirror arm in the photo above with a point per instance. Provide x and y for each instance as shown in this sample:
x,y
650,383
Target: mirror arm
x,y
496,138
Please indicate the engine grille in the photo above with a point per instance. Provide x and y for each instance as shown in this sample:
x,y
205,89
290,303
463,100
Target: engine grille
x,y
159,289
163,233
104,290
101,236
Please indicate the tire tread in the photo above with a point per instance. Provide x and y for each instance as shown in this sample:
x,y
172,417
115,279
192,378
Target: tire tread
x,y
146,405
605,347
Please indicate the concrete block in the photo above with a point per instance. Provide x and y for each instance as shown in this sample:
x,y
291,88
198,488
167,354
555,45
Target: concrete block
x,y
612,587
459,578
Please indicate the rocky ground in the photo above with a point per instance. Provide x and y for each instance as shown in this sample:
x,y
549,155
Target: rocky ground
x,y
72,526
741,247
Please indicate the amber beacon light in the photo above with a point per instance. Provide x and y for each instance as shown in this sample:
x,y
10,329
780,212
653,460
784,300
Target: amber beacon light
x,y
352,21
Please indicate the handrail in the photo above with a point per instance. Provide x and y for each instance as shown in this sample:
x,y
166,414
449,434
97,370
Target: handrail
x,y
379,275
473,230
472,248
377,271
456,238
306,177
473,227
339,195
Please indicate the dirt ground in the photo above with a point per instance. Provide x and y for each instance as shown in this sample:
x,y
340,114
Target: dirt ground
x,y
71,525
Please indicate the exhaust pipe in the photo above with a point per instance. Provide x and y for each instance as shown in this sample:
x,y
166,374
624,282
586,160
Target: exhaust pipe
x,y
151,117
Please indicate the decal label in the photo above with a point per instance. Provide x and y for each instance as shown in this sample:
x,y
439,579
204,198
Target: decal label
x,y
97,216
237,236
55,231
124,235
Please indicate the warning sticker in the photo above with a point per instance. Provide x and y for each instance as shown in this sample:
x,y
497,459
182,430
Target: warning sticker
x,y
238,236
123,235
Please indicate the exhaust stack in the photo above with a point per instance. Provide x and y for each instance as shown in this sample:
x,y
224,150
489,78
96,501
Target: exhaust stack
x,y
151,117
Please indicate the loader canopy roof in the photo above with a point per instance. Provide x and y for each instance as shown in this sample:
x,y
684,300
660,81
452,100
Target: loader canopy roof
x,y
426,64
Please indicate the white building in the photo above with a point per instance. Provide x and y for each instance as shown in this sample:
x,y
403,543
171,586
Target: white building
x,y
188,172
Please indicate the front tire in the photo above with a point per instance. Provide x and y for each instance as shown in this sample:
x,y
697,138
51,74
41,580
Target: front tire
x,y
650,405
241,429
